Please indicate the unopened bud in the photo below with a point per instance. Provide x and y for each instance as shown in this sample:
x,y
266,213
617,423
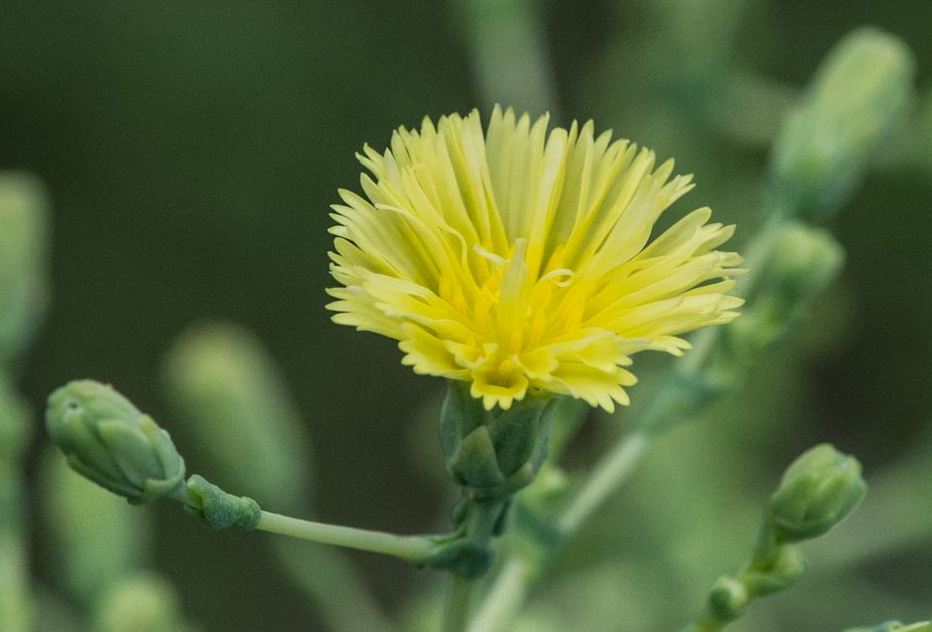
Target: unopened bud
x,y
219,376
108,440
493,453
818,490
860,92
728,599
802,263
23,248
143,603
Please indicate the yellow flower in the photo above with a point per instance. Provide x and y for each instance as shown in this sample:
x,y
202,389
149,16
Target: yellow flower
x,y
519,260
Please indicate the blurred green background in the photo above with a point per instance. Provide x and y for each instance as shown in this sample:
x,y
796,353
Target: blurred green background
x,y
191,150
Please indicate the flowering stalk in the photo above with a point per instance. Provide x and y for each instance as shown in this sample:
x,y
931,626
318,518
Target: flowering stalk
x,y
219,376
818,490
789,265
109,441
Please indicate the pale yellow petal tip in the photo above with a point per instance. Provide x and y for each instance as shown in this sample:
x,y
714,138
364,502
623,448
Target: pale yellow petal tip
x,y
474,253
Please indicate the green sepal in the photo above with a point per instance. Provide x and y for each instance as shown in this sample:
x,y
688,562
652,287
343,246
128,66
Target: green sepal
x,y
786,567
473,464
218,508
93,475
130,448
493,453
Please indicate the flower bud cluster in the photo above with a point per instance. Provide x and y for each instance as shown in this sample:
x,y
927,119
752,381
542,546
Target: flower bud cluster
x,y
817,491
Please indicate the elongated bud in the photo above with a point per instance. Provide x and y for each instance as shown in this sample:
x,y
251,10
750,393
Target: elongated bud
x,y
493,453
859,93
802,262
818,490
143,603
108,440
80,515
23,253
227,388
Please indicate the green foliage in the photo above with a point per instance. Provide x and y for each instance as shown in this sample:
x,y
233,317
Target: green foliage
x,y
164,207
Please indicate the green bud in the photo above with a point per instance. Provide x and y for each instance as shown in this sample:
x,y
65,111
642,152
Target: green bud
x,y
818,490
227,388
23,254
108,440
859,93
728,599
801,263
493,453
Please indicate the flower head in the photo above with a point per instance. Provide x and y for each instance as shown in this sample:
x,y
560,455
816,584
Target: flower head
x,y
521,259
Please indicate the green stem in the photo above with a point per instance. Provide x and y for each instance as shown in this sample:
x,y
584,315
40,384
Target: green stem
x,y
506,596
480,523
610,473
411,548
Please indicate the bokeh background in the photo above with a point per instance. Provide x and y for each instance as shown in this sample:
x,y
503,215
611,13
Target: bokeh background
x,y
191,150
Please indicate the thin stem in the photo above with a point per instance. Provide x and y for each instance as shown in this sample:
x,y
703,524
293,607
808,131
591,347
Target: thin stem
x,y
411,548
480,524
505,597
608,476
